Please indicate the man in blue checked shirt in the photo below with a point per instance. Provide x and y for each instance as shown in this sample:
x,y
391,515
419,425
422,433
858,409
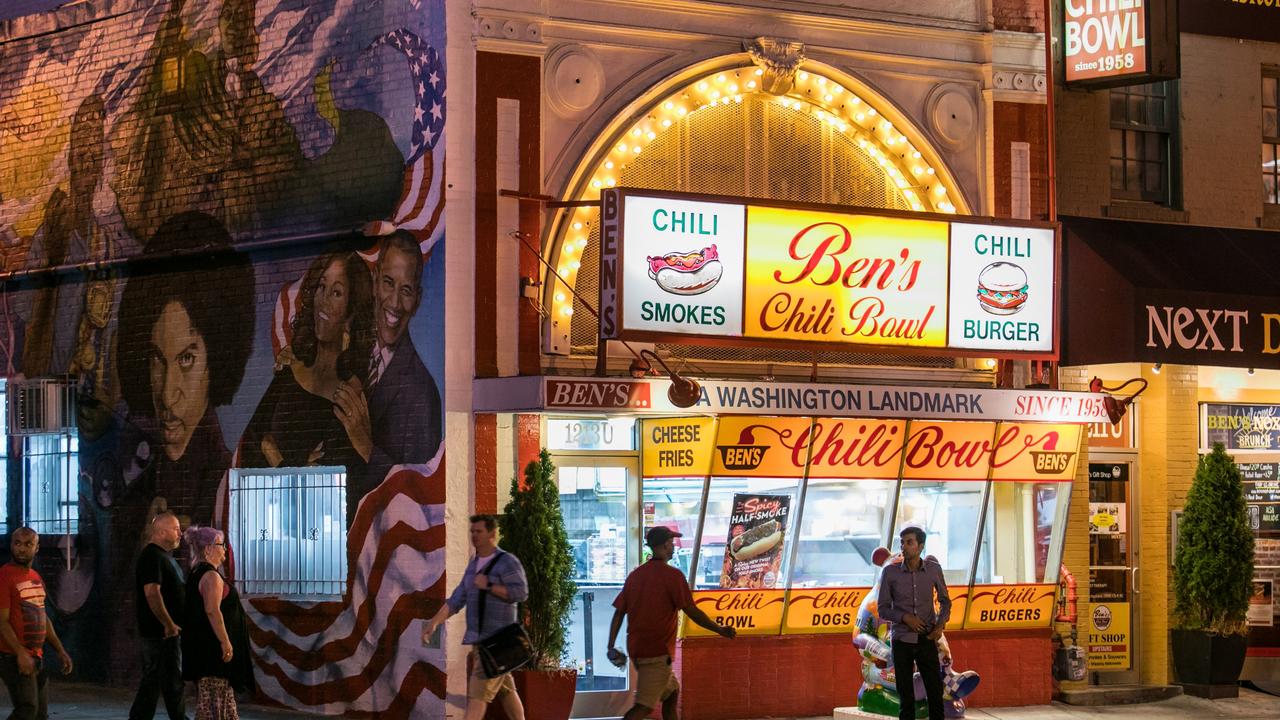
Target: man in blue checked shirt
x,y
498,577
906,600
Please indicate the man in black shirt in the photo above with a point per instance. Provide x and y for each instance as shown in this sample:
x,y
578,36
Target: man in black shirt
x,y
160,594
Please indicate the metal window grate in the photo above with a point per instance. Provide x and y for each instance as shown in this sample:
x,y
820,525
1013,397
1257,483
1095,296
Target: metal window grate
x,y
753,149
50,483
288,531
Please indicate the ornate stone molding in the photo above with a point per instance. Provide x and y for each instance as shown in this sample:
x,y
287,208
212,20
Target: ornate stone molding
x,y
1018,81
779,59
508,29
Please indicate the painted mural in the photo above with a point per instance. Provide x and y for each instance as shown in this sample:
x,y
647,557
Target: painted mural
x,y
224,222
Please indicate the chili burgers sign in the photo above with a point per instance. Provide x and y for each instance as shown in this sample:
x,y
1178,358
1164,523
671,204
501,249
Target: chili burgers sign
x,y
731,271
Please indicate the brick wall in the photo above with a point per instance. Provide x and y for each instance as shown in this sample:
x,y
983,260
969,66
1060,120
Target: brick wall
x,y
1220,126
1020,122
1018,15
179,188
758,677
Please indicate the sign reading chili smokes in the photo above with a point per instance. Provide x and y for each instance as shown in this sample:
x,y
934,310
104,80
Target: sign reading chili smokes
x,y
742,272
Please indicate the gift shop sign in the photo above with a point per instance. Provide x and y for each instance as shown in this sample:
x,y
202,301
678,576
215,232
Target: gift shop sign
x,y
678,266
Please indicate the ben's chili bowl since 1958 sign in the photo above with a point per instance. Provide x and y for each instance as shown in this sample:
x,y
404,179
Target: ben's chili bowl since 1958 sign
x,y
752,273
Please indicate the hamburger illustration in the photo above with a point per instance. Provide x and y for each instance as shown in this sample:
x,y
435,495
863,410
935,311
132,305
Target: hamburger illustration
x,y
686,273
1002,288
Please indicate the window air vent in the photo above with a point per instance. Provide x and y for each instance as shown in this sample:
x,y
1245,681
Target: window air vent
x,y
40,406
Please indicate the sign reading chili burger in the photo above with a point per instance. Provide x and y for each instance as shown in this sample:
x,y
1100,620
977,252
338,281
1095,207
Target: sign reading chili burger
x,y
744,272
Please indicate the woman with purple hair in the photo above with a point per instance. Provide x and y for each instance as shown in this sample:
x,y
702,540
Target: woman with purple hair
x,y
215,641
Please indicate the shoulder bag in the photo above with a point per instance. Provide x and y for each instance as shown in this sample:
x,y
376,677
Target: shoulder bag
x,y
506,649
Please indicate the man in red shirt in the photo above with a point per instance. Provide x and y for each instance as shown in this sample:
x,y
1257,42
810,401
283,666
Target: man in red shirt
x,y
23,630
651,600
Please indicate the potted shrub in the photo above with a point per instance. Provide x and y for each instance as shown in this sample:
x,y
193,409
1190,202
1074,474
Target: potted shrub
x,y
1212,578
532,529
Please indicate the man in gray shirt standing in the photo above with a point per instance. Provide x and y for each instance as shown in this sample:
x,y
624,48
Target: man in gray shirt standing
x,y
906,600
496,578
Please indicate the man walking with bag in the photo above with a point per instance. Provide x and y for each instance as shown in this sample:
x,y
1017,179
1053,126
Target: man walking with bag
x,y
160,592
651,599
492,585
906,601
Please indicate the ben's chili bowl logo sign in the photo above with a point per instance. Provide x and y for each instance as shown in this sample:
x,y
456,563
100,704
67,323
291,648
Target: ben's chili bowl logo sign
x,y
839,447
831,277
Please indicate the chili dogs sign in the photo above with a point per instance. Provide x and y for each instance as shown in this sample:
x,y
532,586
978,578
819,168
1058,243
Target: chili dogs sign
x,y
750,273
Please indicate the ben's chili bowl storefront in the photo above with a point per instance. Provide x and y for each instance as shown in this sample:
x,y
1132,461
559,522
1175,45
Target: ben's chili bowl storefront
x,y
783,491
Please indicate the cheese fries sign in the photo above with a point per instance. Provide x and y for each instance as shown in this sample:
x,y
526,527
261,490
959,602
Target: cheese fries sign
x,y
676,266
753,547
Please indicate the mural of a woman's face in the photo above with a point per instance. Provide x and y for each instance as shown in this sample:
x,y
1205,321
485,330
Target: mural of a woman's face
x,y
179,377
331,303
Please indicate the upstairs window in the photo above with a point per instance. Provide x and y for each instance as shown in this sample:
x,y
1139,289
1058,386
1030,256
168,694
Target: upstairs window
x,y
1270,137
1143,128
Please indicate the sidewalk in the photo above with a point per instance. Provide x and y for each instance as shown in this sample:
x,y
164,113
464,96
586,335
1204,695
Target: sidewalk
x,y
71,701
76,701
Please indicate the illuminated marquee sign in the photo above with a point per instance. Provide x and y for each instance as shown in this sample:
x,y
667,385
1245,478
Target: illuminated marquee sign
x,y
1119,42
737,272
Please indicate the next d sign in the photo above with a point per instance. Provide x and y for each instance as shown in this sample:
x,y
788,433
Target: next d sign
x,y
1208,330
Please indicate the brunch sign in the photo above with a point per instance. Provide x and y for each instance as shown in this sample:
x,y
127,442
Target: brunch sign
x,y
743,272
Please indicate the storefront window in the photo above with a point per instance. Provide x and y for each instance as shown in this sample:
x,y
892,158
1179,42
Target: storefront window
x,y
760,510
1018,540
675,503
948,513
843,522
593,501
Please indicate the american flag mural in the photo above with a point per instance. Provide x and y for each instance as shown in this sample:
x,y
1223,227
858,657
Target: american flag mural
x,y
364,655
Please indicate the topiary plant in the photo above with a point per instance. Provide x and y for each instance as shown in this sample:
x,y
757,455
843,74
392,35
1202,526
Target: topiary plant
x,y
1213,569
532,529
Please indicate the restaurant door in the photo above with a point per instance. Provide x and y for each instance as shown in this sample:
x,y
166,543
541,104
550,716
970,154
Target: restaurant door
x,y
599,498
1111,616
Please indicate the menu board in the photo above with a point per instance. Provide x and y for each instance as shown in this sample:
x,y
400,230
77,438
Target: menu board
x,y
1262,495
753,555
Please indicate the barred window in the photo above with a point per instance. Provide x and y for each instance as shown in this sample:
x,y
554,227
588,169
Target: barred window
x,y
50,480
288,531
1143,123
1270,137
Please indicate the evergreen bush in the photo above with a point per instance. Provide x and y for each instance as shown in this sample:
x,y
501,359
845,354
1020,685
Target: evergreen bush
x,y
532,529
1213,569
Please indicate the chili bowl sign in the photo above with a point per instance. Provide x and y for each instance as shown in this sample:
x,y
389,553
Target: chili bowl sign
x,y
732,271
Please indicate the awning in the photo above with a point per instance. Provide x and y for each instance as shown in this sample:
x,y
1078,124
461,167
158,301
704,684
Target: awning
x,y
1156,292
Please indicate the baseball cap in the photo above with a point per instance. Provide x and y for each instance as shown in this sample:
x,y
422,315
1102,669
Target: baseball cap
x,y
659,534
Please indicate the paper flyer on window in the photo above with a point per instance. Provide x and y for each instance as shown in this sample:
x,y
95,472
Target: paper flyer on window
x,y
1262,603
753,555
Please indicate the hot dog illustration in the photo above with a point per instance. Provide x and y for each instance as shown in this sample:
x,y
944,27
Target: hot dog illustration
x,y
756,541
686,273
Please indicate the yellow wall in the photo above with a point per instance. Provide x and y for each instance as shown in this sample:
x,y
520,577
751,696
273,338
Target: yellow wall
x,y
1075,550
1168,438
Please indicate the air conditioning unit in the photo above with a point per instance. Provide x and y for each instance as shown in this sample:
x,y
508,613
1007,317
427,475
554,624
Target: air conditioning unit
x,y
41,406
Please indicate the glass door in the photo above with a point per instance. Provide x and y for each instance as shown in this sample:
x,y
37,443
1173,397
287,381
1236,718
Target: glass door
x,y
1111,618
599,501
